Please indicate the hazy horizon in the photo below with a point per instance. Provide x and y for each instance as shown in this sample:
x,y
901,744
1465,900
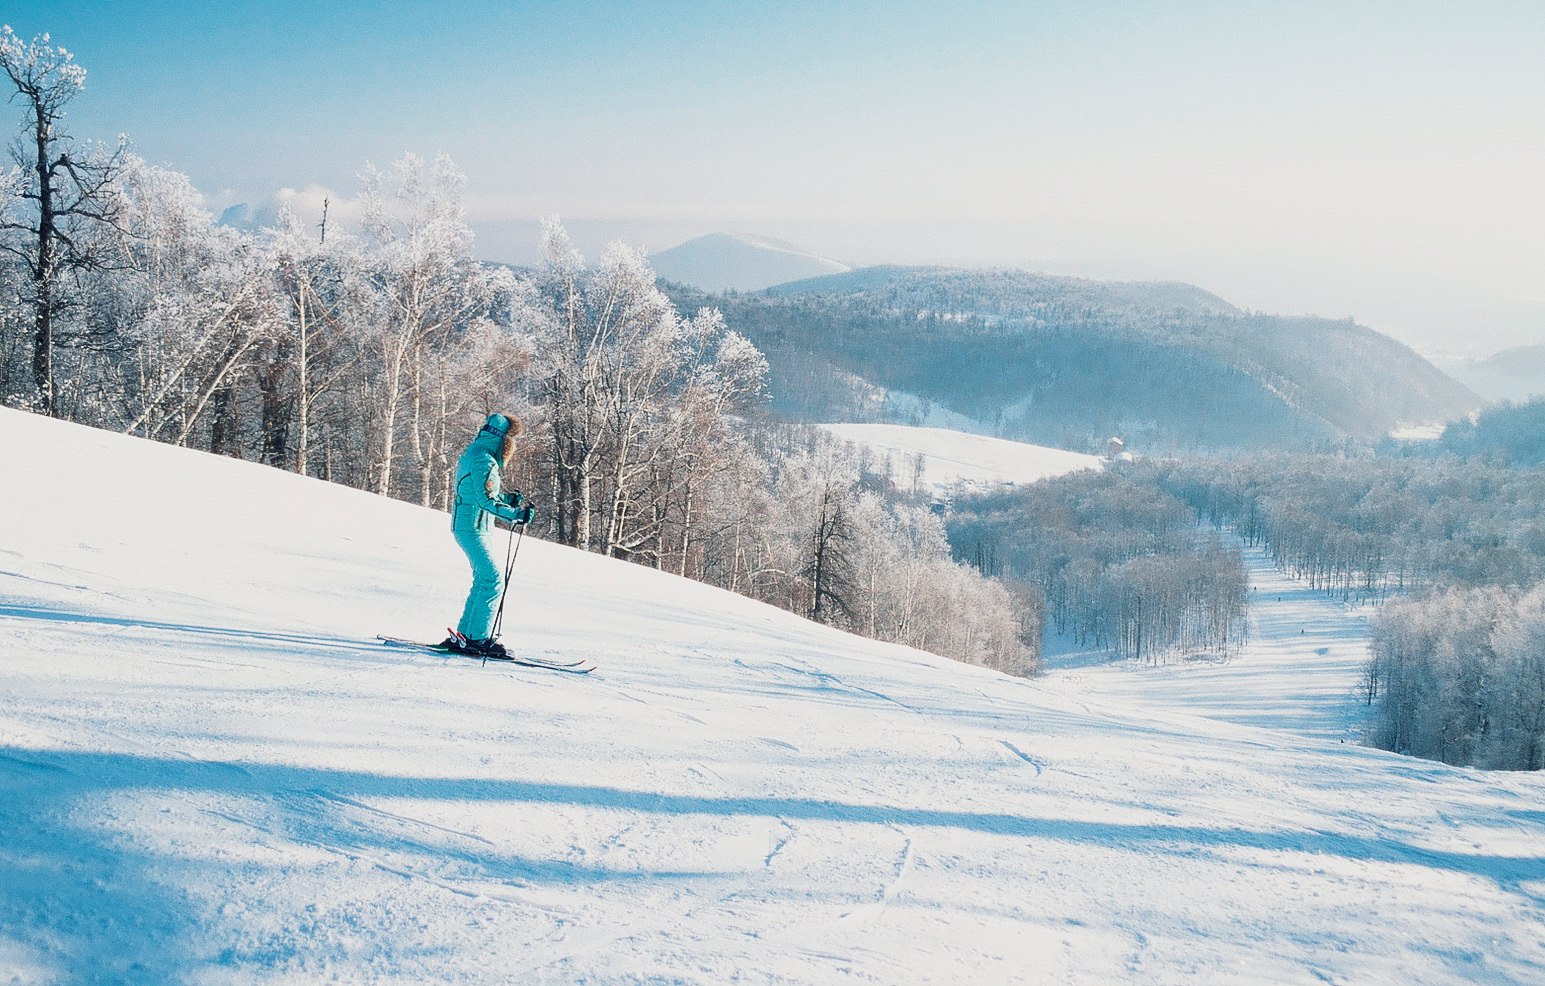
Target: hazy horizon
x,y
1372,160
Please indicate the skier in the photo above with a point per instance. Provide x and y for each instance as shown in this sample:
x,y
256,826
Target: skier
x,y
478,502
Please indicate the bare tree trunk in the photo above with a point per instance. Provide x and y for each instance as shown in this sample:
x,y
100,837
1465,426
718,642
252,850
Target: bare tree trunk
x,y
686,525
437,442
582,535
394,352
276,407
303,372
43,271
224,428
238,348
419,450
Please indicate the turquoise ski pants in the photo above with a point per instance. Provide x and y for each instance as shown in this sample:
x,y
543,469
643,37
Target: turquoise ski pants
x,y
477,617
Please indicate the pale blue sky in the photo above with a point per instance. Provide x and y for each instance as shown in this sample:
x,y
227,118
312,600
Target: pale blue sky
x,y
1382,160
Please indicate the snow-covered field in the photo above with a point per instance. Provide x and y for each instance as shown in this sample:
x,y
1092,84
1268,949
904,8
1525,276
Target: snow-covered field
x,y
210,774
950,457
1429,432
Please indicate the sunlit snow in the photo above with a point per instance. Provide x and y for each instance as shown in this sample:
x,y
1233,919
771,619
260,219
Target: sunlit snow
x,y
1429,432
212,774
949,457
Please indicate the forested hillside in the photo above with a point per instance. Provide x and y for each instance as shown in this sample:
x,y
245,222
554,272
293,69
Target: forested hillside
x,y
1372,526
1120,564
1457,664
1507,433
1069,362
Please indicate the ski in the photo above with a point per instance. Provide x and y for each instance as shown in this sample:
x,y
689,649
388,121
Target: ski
x,y
571,667
538,660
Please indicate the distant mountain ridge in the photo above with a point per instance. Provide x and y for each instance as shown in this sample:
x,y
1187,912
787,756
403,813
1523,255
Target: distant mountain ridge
x,y
1005,292
1069,362
737,262
1515,374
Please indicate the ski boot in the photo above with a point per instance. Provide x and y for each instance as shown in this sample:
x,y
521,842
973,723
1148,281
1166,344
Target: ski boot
x,y
489,648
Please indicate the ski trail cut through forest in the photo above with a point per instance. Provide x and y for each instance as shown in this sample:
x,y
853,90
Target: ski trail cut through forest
x,y
1300,670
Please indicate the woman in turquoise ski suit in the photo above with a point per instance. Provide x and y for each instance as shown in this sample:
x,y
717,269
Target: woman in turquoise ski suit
x,y
478,501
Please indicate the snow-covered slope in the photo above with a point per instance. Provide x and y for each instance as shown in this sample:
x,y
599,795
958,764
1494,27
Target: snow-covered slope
x,y
210,774
1300,667
950,457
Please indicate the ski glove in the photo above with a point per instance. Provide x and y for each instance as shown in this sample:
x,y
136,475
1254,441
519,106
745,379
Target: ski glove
x,y
513,498
523,515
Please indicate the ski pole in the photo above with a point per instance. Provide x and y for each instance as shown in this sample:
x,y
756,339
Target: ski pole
x,y
511,552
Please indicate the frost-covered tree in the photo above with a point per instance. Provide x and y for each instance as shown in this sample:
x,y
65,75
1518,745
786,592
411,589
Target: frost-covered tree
x,y
1119,564
817,491
1519,685
193,302
732,541
699,440
424,290
878,562
635,397
316,349
62,196
910,591
1459,676
1370,526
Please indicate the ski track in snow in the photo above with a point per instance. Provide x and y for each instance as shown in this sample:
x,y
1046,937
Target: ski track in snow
x,y
211,773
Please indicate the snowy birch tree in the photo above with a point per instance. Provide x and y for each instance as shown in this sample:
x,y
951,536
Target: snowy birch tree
x,y
65,198
316,285
634,394
194,300
425,288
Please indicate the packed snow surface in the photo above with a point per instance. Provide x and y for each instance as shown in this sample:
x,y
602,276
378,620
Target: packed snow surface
x,y
1299,668
949,457
210,773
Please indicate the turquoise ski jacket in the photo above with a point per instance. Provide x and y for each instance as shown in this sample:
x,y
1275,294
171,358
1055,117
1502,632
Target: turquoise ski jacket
x,y
478,499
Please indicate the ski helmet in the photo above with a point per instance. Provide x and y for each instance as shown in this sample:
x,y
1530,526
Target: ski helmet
x,y
497,424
